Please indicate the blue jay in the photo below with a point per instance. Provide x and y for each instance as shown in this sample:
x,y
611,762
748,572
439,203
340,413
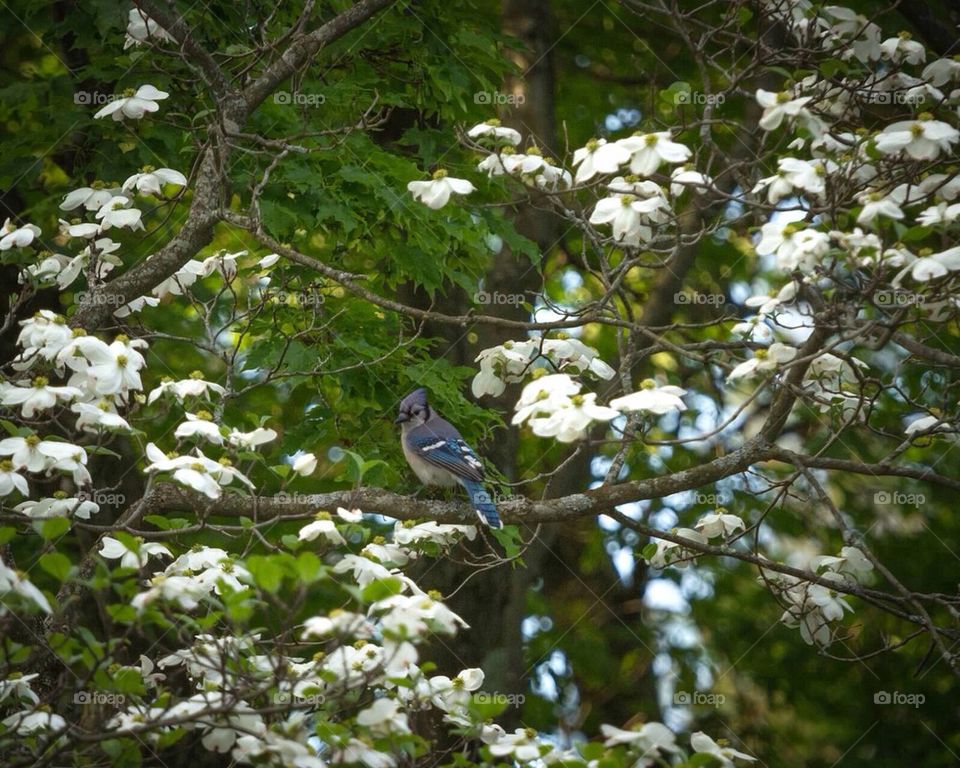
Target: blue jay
x,y
438,455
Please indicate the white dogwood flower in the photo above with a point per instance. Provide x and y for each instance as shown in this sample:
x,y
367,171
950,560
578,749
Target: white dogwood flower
x,y
922,139
599,156
92,198
141,27
764,360
436,193
780,106
649,151
652,399
133,104
133,556
150,180
493,130
12,236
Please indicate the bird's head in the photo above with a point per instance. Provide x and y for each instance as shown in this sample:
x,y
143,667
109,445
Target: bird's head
x,y
414,409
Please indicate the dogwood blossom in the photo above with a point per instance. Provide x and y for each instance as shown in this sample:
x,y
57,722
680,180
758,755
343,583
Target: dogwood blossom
x,y
629,217
769,304
41,337
339,623
436,193
29,722
117,212
811,608
92,198
195,386
929,266
598,156
323,526
14,582
719,523
200,425
881,203
36,396
384,717
141,27
650,150
685,177
305,464
794,246
17,237
764,360
780,106
439,533
150,180
703,744
134,555
792,174
648,739
942,213
652,399
58,507
133,104
922,139
11,480
902,49
523,745
851,560
493,130
197,472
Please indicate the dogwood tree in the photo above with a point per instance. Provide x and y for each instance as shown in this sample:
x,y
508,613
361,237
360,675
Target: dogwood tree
x,y
208,542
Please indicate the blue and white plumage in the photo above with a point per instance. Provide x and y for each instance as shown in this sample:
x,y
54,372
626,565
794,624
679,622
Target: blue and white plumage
x,y
438,455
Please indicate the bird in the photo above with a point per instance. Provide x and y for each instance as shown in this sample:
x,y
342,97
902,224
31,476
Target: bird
x,y
438,454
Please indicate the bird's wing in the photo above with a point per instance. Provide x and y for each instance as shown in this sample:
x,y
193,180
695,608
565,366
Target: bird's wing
x,y
450,453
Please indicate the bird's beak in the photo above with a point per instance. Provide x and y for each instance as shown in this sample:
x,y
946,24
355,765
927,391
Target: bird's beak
x,y
401,418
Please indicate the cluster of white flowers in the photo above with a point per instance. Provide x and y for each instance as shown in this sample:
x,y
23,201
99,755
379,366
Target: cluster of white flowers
x,y
718,524
552,406
511,361
814,607
633,207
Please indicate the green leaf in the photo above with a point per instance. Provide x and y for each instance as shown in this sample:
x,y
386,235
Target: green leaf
x,y
267,573
382,589
56,564
308,566
53,528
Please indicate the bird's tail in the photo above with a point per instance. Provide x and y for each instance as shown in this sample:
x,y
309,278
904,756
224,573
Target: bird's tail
x,y
483,503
